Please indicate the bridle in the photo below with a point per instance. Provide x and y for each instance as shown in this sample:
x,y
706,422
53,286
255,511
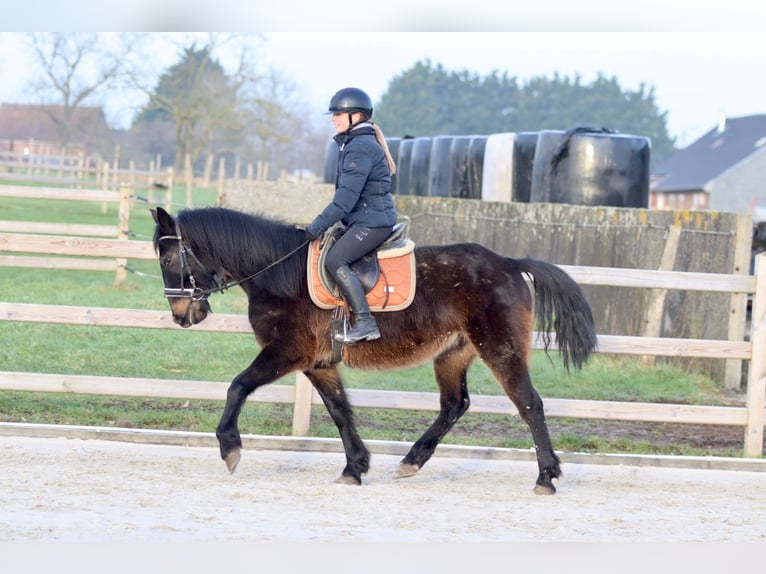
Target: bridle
x,y
196,293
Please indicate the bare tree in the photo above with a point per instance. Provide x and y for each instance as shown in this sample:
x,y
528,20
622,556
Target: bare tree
x,y
74,69
219,101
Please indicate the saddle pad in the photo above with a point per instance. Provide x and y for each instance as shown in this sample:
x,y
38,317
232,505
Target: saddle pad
x,y
394,290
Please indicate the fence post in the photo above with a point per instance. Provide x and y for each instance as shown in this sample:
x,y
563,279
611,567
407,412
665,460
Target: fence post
x,y
104,180
302,408
738,313
656,305
29,154
169,191
221,176
207,174
188,178
756,380
123,230
80,173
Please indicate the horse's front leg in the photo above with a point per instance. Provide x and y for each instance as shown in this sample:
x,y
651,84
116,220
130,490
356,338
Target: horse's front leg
x,y
328,383
266,368
227,432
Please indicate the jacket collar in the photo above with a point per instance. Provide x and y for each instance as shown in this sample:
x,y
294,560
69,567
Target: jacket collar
x,y
359,129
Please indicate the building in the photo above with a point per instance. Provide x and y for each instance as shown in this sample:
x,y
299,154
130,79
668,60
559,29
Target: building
x,y
724,170
53,130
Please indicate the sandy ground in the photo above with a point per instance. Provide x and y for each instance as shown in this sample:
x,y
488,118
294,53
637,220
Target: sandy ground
x,y
95,490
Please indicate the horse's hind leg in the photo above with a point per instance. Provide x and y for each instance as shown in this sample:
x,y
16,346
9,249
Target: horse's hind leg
x,y
502,340
329,385
530,407
450,369
518,386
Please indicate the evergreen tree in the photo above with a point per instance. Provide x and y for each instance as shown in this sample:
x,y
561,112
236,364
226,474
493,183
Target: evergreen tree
x,y
428,100
199,100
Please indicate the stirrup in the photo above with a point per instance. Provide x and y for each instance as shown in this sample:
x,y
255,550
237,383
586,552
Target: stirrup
x,y
366,330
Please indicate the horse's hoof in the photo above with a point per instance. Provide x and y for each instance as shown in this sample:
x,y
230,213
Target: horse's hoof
x,y
545,490
232,460
348,480
406,470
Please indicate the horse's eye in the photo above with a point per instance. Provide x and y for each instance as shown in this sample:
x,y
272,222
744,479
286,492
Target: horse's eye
x,y
166,261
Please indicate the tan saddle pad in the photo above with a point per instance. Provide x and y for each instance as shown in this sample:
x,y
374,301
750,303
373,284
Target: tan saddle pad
x,y
394,289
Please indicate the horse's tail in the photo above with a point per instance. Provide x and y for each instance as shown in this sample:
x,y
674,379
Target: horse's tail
x,y
560,306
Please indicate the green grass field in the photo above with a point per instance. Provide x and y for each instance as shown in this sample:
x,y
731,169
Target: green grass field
x,y
189,355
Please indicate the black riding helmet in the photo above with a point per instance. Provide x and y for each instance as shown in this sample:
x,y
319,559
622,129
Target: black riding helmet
x,y
351,100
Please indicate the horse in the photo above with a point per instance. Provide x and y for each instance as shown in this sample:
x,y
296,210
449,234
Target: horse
x,y
470,302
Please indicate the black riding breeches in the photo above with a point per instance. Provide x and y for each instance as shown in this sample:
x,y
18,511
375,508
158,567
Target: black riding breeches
x,y
355,243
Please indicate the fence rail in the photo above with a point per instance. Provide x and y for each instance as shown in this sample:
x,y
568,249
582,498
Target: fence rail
x,y
751,416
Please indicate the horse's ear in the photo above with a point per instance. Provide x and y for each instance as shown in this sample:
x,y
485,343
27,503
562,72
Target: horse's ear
x,y
164,220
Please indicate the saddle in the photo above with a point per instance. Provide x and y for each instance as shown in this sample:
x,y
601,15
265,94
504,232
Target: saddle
x,y
387,274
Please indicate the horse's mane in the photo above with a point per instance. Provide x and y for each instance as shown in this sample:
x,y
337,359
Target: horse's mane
x,y
244,243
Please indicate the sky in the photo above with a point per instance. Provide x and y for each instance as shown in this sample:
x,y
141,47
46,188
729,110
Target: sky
x,y
704,58
694,81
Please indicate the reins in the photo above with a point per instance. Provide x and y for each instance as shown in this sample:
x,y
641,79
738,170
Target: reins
x,y
198,294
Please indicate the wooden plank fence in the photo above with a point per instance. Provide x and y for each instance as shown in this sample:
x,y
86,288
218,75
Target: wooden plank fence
x,y
751,416
121,229
34,163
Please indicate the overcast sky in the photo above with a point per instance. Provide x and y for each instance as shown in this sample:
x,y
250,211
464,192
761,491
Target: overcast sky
x,y
704,58
694,80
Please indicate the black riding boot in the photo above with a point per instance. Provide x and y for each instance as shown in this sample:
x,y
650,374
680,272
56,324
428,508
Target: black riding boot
x,y
365,327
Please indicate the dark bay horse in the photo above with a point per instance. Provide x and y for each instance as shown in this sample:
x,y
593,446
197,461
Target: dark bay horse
x,y
470,302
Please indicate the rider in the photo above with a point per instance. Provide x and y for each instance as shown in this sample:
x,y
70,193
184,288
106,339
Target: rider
x,y
362,201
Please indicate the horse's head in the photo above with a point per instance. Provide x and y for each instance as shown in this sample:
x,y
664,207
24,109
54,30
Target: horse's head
x,y
187,282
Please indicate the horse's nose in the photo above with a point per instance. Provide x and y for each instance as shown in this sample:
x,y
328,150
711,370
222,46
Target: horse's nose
x,y
180,310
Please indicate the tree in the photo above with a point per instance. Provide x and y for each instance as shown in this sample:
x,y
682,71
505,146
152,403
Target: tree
x,y
429,101
240,113
75,68
199,100
561,103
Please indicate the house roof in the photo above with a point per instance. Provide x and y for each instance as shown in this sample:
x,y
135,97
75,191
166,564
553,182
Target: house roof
x,y
23,121
718,150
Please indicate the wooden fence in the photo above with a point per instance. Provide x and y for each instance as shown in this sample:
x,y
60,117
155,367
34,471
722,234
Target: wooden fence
x,y
121,229
34,164
751,416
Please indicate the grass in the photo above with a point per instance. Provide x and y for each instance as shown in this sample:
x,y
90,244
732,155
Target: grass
x,y
189,355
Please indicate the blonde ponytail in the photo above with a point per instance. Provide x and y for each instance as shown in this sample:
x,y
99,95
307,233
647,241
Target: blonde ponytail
x,y
382,141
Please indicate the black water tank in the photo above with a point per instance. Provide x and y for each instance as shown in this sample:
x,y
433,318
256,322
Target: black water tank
x,y
439,166
458,184
393,147
584,167
524,144
403,165
475,166
419,166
